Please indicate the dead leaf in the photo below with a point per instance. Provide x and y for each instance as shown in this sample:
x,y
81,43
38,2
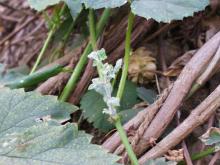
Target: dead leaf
x,y
140,105
175,155
177,66
142,66
213,26
210,132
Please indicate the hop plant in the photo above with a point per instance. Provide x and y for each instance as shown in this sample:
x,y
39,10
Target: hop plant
x,y
102,84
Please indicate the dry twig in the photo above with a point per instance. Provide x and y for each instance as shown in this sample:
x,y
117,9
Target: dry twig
x,y
197,117
179,91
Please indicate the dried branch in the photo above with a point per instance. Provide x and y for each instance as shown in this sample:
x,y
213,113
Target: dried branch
x,y
18,29
181,87
162,30
215,158
197,117
210,69
53,84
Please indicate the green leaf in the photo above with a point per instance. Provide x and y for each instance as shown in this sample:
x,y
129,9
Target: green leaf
x,y
160,161
11,74
97,4
25,139
147,95
128,114
212,137
130,97
92,105
75,6
52,145
167,10
160,10
19,109
40,5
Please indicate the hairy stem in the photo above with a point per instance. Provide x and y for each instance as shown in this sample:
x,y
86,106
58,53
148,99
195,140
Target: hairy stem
x,y
127,56
125,141
83,59
76,73
118,124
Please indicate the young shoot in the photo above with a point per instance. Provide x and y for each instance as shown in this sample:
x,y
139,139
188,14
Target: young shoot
x,y
103,84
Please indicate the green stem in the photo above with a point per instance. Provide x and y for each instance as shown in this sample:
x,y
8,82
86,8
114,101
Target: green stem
x,y
102,22
36,77
118,124
46,43
83,59
59,50
71,84
125,141
92,29
200,155
69,30
126,57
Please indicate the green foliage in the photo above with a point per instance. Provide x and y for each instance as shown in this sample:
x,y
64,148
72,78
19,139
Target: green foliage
x,y
74,5
212,137
146,95
52,144
160,10
127,114
20,109
25,139
167,10
40,5
130,97
92,105
11,74
97,4
160,161
35,78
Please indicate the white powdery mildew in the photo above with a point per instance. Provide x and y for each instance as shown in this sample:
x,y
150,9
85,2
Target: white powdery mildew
x,y
103,85
9,141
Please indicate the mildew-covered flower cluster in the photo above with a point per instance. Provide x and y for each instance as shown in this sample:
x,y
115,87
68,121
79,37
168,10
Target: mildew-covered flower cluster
x,y
102,84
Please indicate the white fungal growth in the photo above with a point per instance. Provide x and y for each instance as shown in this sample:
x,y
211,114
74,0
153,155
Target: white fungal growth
x,y
10,141
102,84
5,144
